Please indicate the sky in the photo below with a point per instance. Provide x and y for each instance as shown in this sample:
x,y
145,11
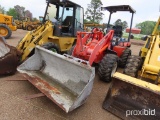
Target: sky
x,y
145,9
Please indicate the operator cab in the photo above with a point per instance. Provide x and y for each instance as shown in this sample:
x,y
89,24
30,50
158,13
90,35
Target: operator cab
x,y
66,16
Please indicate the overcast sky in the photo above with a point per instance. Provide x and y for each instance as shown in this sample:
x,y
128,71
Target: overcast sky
x,y
145,9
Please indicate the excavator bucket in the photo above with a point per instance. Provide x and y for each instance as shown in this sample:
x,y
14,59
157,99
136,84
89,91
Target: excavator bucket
x,y
131,98
66,80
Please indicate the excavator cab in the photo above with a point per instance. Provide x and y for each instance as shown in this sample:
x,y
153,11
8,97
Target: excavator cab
x,y
66,16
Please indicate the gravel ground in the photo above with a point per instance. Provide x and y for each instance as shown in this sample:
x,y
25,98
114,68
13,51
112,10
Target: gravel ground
x,y
13,105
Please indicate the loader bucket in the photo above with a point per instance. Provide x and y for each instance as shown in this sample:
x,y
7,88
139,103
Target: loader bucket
x,y
66,80
131,98
9,58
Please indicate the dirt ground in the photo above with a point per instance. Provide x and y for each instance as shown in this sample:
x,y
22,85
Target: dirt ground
x,y
14,106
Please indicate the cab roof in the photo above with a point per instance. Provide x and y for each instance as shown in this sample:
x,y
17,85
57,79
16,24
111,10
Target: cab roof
x,y
68,3
119,8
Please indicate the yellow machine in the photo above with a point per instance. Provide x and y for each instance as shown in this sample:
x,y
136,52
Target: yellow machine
x,y
27,24
64,79
58,31
7,25
138,98
88,25
18,24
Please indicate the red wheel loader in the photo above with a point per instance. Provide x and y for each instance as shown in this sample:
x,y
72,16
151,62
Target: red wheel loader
x,y
135,95
94,47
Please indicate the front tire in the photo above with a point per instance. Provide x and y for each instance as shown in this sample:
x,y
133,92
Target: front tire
x,y
29,28
5,31
133,65
124,57
107,67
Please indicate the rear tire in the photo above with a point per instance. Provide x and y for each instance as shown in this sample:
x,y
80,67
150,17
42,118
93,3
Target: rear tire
x,y
133,65
107,67
5,31
124,57
51,46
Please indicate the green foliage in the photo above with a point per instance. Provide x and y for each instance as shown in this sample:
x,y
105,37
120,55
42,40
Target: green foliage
x,y
12,12
2,9
34,19
146,27
93,13
124,24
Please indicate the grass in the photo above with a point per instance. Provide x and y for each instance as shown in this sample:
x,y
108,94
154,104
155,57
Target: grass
x,y
136,36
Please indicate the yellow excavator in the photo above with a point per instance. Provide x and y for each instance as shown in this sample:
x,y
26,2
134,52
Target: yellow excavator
x,y
135,94
7,25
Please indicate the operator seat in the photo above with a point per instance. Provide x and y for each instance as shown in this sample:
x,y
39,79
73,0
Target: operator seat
x,y
117,30
66,24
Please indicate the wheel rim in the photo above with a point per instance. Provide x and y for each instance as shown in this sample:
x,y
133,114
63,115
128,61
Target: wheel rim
x,y
114,68
3,31
29,28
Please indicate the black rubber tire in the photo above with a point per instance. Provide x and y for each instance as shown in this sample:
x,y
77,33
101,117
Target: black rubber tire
x,y
29,28
143,58
133,65
124,57
8,29
107,67
132,36
50,46
69,52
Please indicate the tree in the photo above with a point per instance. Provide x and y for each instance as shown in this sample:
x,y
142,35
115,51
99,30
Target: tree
x,y
28,14
93,13
2,9
124,24
22,13
12,12
146,27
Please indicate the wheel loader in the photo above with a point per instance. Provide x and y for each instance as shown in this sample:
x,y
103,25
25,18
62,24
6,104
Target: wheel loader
x,y
61,22
64,79
7,25
135,94
97,49
101,49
